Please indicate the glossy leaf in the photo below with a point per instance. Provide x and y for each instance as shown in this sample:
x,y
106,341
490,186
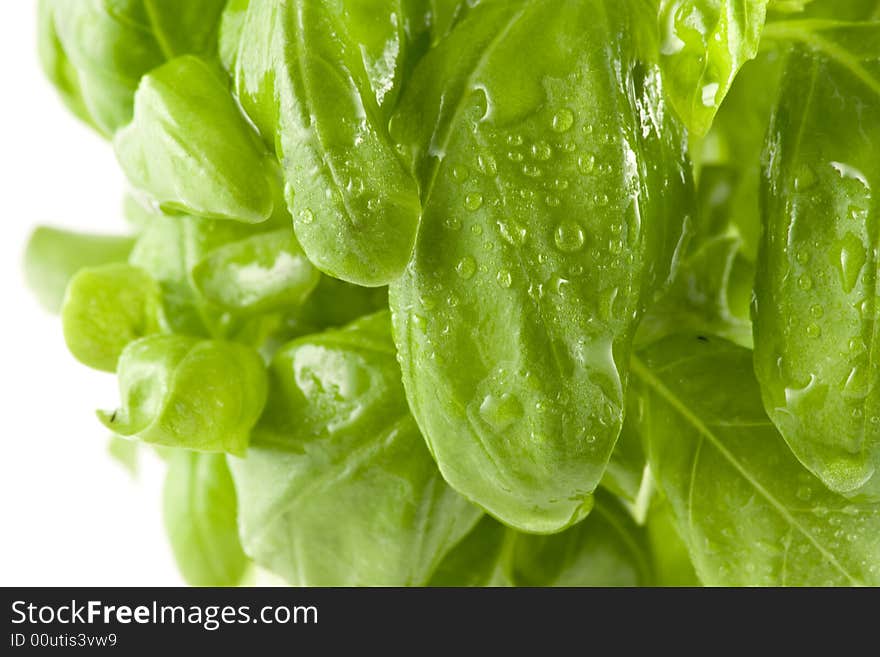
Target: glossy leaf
x,y
178,391
106,46
53,256
545,233
190,149
711,295
338,488
479,559
627,475
670,559
200,519
56,65
125,453
318,79
748,511
606,549
704,44
106,308
265,272
816,313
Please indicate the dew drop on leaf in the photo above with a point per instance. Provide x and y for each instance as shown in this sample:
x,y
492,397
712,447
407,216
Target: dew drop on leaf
x,y
569,237
562,120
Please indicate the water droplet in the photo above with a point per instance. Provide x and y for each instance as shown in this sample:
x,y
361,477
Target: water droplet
x,y
586,163
306,216
477,229
532,171
500,411
814,331
850,258
514,140
504,278
452,222
541,151
515,156
460,173
804,493
817,311
561,184
466,267
473,201
569,237
601,200
803,257
562,120
805,282
552,201
487,165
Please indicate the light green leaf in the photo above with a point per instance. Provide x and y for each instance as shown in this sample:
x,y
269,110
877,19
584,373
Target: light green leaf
x,y
105,46
124,452
56,64
338,488
627,475
748,511
106,308
265,272
606,549
190,149
53,256
553,212
178,391
200,519
335,70
817,318
671,561
704,44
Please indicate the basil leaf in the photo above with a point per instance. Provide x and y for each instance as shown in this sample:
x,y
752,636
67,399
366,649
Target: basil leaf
x,y
200,519
53,256
705,42
338,488
748,511
178,391
816,311
190,149
545,234
106,308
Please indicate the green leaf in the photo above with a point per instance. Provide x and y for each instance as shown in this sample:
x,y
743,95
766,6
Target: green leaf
x,y
191,150
748,511
178,391
105,308
124,452
200,519
479,559
671,561
607,549
56,64
711,294
627,475
265,272
555,189
335,68
106,46
338,488
53,256
705,42
817,317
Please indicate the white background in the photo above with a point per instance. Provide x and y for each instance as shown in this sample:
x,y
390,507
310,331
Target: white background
x,y
70,514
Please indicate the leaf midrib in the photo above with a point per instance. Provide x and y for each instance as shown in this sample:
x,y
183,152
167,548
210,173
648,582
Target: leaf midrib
x,y
640,370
